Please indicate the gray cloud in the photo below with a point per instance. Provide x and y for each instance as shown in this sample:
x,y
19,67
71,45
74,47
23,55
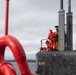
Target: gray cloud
x,y
30,21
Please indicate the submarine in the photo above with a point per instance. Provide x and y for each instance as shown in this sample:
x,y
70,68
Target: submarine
x,y
63,60
59,61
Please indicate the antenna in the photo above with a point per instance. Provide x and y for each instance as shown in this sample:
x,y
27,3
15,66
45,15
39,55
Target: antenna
x,y
6,17
69,23
61,4
69,5
61,27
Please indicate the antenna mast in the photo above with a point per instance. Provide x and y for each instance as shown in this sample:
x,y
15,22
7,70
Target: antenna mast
x,y
61,4
61,27
6,17
69,27
69,6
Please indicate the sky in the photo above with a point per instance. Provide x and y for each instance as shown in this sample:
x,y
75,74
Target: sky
x,y
30,21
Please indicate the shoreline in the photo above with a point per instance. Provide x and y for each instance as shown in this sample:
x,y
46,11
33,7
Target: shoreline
x,y
29,60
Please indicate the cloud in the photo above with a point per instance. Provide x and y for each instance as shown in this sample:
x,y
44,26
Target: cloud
x,y
30,21
30,54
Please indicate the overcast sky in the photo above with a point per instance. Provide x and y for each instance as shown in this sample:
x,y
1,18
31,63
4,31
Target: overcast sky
x,y
30,21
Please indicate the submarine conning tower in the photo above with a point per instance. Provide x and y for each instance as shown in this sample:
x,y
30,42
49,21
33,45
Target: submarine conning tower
x,y
63,61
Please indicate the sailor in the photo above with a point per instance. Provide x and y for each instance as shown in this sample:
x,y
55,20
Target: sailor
x,y
52,38
57,33
49,45
43,49
50,35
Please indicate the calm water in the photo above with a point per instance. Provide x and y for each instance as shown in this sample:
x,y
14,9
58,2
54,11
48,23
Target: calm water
x,y
32,67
